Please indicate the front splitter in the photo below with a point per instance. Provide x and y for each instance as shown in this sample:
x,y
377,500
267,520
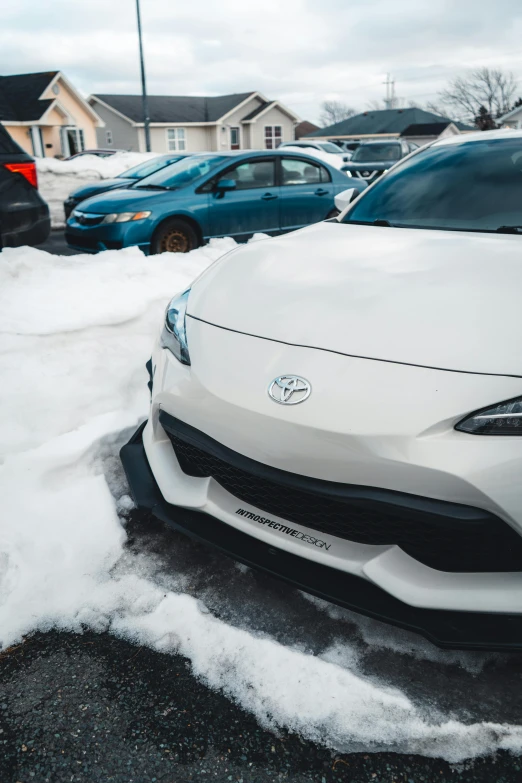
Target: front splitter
x,y
447,629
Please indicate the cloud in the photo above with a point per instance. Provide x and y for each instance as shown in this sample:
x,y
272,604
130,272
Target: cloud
x,y
299,51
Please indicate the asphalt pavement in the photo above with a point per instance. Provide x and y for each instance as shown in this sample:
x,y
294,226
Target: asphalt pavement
x,y
57,245
81,708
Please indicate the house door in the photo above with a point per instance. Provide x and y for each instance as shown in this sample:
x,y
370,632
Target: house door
x,y
234,139
72,140
37,141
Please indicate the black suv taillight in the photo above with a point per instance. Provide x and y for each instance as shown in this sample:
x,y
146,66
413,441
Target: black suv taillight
x,y
27,170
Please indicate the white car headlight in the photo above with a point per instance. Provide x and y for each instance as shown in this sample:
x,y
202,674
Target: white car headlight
x,y
174,335
125,217
502,419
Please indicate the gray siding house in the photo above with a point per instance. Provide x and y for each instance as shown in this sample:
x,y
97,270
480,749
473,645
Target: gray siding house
x,y
193,123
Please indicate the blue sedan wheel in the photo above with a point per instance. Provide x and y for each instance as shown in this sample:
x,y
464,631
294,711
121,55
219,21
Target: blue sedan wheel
x,y
174,236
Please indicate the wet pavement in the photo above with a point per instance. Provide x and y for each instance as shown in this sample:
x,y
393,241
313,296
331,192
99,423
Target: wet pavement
x,y
90,707
78,708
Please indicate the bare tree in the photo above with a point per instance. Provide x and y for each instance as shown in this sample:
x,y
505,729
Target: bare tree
x,y
376,105
334,111
491,88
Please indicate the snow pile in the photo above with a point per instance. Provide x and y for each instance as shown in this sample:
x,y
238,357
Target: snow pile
x,y
327,157
58,178
75,335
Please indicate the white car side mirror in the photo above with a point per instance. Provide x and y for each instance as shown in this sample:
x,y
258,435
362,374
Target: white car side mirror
x,y
344,199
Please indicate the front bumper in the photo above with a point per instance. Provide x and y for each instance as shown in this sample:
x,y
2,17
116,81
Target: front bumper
x,y
113,236
447,629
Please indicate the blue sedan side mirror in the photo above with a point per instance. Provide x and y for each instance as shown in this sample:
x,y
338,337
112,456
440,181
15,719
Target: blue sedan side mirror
x,y
226,184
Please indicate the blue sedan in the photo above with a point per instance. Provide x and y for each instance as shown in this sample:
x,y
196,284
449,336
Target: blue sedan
x,y
125,180
209,195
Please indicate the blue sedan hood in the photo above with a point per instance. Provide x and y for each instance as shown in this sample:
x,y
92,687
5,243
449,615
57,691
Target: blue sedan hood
x,y
128,200
101,187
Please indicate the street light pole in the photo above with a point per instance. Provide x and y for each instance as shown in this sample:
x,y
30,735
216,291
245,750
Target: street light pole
x,y
146,118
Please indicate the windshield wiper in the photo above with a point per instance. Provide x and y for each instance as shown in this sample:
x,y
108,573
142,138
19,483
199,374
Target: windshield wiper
x,y
152,187
382,222
509,230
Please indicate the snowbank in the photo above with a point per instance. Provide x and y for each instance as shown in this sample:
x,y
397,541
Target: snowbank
x,y
75,333
58,178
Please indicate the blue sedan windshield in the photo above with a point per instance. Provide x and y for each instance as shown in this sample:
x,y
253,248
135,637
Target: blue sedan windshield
x,y
183,173
149,167
463,186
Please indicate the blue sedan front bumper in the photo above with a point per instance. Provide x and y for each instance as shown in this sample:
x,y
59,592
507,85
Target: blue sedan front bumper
x,y
110,236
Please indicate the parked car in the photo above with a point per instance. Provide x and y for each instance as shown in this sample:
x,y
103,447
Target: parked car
x,y
210,195
125,180
322,146
347,146
24,215
101,153
373,158
342,406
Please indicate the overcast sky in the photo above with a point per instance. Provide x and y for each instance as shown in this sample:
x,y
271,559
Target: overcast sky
x,y
300,51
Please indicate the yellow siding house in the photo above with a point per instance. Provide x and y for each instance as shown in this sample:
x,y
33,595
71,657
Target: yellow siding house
x,y
46,115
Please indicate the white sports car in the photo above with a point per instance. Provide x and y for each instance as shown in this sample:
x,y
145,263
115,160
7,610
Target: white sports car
x,y
342,406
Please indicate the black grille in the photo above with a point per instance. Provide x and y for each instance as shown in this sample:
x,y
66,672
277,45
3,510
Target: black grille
x,y
481,542
80,241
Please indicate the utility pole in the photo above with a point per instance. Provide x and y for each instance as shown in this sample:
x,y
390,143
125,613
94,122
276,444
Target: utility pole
x,y
146,118
389,101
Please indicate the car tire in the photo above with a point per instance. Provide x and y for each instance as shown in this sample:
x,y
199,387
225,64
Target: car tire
x,y
174,236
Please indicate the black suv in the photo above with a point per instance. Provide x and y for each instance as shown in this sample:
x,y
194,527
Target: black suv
x,y
24,215
373,158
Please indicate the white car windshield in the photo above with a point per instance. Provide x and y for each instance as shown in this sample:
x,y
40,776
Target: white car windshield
x,y
466,186
377,152
327,146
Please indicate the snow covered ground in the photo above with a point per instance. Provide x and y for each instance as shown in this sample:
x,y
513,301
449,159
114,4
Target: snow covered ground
x,y
75,333
58,178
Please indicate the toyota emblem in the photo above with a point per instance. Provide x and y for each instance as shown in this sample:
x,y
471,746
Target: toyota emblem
x,y
289,389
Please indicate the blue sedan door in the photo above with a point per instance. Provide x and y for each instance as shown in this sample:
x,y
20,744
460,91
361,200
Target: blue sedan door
x,y
252,207
307,193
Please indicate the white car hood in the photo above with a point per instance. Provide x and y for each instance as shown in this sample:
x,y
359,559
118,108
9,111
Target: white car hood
x,y
443,299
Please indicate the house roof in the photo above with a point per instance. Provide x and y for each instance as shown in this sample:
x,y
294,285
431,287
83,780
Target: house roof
x,y
20,96
511,113
426,128
257,111
384,121
175,108
304,128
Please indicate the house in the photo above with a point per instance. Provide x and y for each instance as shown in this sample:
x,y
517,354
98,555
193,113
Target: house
x,y
304,128
391,124
423,133
46,115
193,124
513,119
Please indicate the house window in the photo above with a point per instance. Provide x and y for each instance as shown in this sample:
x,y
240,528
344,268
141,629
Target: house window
x,y
273,136
108,138
176,139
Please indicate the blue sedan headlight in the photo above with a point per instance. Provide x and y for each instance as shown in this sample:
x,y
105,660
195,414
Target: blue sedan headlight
x,y
125,217
174,336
